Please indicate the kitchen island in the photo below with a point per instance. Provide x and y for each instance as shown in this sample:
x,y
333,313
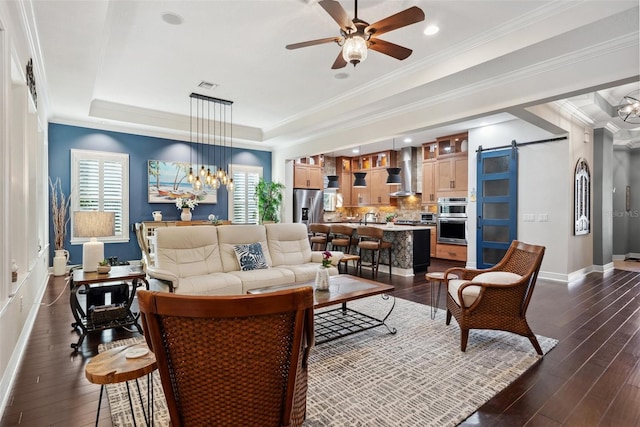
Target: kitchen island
x,y
410,247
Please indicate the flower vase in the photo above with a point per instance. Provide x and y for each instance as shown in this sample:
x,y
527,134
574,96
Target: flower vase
x,y
322,279
186,214
60,259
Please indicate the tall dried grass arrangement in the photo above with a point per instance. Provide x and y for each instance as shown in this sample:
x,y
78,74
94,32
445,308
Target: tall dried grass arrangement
x,y
59,212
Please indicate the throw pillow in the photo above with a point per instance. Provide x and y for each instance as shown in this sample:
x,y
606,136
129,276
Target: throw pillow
x,y
250,256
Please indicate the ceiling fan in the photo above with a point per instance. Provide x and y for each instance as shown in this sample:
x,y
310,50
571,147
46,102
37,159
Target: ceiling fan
x,y
357,36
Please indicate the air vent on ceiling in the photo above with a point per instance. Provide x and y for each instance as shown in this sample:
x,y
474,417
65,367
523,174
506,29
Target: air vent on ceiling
x,y
207,85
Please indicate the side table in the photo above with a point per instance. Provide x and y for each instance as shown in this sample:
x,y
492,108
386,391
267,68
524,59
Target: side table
x,y
436,276
106,317
117,365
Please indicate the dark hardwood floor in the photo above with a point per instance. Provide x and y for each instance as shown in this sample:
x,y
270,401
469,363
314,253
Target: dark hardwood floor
x,y
592,377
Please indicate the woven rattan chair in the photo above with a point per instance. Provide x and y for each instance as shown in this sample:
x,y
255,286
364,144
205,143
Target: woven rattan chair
x,y
319,236
498,297
232,360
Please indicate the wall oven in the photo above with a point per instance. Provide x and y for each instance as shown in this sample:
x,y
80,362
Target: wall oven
x,y
452,220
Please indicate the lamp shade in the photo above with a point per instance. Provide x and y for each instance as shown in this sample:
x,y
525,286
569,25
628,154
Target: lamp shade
x,y
359,182
333,181
394,176
93,224
354,50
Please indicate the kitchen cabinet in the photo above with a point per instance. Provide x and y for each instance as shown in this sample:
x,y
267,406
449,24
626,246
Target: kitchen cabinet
x,y
452,144
346,183
432,243
452,252
307,175
379,188
451,176
429,182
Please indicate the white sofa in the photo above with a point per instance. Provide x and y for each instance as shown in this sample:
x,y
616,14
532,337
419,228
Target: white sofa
x,y
202,260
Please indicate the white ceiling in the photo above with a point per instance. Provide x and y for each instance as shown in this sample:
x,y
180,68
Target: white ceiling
x,y
119,65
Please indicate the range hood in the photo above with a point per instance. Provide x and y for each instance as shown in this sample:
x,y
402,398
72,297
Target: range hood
x,y
408,162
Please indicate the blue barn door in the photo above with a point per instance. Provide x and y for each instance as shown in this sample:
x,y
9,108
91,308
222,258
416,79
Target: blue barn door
x,y
497,205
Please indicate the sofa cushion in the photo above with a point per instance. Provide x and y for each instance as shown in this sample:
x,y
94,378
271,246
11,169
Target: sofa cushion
x,y
288,243
188,251
262,278
307,272
232,235
250,256
210,284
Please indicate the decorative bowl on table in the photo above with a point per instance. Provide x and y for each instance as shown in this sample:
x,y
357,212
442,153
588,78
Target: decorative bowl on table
x,y
104,269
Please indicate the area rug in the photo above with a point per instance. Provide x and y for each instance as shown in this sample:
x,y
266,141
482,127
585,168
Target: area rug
x,y
418,376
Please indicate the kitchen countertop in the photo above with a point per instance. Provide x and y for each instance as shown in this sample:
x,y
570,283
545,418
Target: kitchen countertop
x,y
386,227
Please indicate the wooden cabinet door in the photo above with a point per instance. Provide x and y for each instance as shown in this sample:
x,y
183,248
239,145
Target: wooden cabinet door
x,y
428,182
444,175
379,187
300,177
315,177
461,173
346,181
361,196
433,242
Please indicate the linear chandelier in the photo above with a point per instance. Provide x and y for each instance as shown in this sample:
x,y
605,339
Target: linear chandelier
x,y
210,130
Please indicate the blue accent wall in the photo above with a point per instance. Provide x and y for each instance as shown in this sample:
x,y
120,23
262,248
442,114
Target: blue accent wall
x,y
141,149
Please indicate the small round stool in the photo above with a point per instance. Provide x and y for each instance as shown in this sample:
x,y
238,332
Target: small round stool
x,y
124,364
436,276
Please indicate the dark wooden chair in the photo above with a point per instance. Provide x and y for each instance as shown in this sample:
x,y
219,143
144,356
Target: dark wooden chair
x,y
370,239
342,239
231,360
498,297
319,236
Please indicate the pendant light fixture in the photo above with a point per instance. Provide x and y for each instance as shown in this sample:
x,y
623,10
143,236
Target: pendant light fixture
x,y
200,136
359,181
394,173
629,108
333,181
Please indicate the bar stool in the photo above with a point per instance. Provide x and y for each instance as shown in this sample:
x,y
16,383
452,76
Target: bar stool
x,y
370,239
319,236
341,237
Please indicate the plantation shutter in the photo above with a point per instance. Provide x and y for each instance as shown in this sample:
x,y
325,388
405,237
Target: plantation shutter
x,y
102,183
244,206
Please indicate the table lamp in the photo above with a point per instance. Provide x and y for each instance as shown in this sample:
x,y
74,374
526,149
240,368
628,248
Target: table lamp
x,y
93,224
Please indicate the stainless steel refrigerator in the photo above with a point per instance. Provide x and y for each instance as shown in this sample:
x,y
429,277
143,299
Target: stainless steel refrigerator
x,y
308,206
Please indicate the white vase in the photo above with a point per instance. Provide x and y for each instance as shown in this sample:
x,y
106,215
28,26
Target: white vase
x,y
60,259
186,214
322,279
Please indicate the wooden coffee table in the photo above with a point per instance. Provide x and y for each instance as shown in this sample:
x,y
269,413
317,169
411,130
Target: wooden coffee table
x,y
341,321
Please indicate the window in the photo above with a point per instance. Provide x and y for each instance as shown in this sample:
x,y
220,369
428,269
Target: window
x,y
243,207
100,181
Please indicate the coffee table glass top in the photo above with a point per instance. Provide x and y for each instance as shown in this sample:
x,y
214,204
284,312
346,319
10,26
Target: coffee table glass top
x,y
342,288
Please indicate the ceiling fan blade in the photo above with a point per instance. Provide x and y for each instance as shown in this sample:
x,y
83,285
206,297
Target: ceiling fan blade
x,y
338,13
388,48
339,62
312,42
401,19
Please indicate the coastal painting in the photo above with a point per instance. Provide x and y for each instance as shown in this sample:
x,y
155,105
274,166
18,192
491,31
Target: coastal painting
x,y
167,181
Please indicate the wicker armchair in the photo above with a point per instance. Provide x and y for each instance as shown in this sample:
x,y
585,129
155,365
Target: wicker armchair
x,y
232,360
498,297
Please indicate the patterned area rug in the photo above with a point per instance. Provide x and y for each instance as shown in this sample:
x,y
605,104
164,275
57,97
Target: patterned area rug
x,y
418,376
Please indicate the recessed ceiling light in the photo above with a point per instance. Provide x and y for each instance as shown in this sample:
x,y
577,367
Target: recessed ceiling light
x,y
172,18
407,140
355,150
341,76
431,30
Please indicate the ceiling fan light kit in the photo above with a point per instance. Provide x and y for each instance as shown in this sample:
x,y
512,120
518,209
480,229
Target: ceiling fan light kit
x,y
357,36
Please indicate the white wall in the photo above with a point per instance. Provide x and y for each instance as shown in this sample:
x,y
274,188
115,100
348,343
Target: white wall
x,y
23,188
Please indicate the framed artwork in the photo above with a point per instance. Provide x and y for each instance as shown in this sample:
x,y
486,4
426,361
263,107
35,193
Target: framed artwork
x,y
167,181
582,198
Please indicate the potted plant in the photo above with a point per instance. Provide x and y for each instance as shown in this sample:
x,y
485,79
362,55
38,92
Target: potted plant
x,y
269,197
